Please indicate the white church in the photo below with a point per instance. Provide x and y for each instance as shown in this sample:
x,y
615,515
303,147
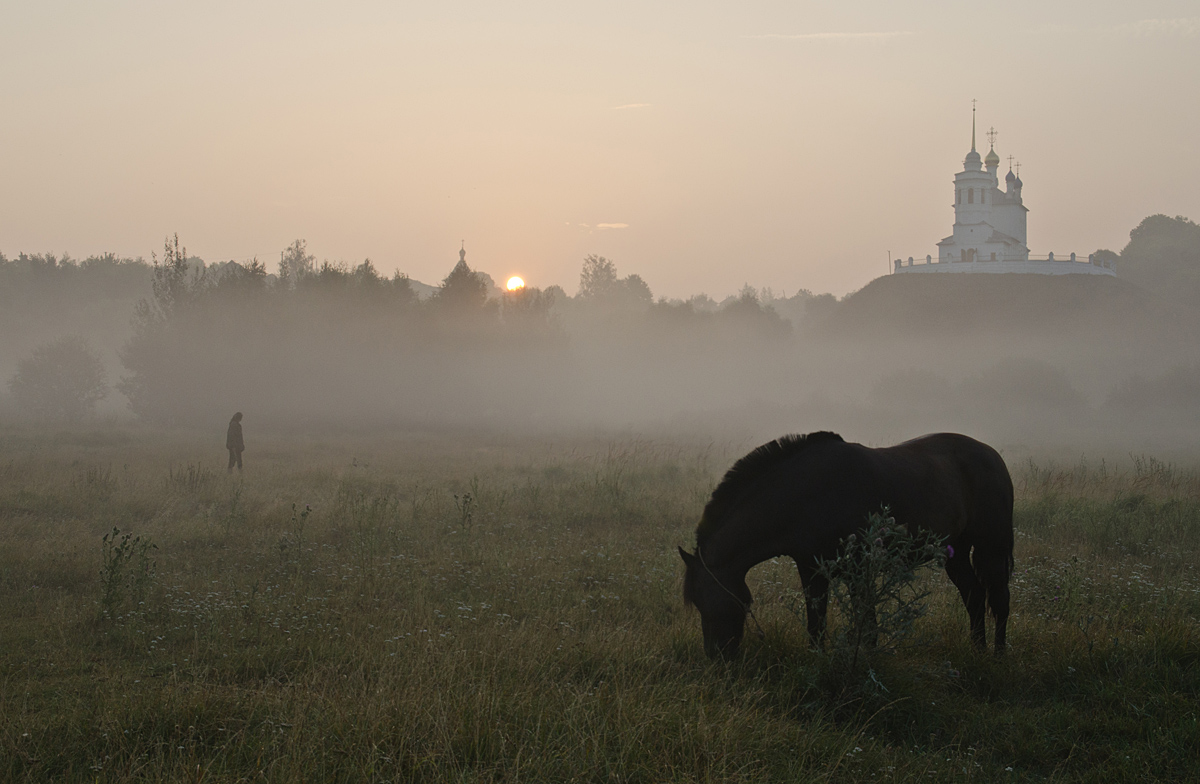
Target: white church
x,y
989,226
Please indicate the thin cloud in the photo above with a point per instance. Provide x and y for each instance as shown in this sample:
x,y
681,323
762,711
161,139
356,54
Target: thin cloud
x,y
612,225
632,106
882,36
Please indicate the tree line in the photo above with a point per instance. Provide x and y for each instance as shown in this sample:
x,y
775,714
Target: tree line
x,y
208,335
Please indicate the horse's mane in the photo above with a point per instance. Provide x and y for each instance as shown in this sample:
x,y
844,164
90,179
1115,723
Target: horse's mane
x,y
746,470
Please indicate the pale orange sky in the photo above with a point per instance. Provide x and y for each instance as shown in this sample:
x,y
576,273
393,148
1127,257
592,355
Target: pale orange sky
x,y
702,146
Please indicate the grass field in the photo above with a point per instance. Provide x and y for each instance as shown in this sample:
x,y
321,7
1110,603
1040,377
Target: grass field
x,y
464,607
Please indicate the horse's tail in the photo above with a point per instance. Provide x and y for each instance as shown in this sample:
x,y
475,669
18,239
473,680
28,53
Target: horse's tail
x,y
1006,527
994,565
992,499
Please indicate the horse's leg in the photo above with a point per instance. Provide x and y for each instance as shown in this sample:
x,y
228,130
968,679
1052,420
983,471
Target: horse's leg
x,y
958,567
816,603
993,568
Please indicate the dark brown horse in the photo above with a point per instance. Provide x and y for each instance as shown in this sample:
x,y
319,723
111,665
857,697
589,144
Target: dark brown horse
x,y
801,495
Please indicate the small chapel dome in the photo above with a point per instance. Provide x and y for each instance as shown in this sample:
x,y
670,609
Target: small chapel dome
x,y
992,158
972,161
1019,183
1010,176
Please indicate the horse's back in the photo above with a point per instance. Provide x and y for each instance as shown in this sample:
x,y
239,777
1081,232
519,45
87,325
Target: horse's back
x,y
945,482
971,475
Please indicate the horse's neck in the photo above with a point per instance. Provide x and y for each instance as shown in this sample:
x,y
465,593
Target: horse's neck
x,y
738,547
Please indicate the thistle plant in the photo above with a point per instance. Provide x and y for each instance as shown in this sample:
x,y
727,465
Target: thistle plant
x,y
873,585
126,570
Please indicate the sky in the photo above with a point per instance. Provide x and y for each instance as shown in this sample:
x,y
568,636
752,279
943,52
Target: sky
x,y
703,146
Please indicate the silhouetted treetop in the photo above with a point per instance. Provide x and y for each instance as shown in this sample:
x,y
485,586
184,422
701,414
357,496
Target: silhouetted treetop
x,y
597,278
295,263
598,283
1163,256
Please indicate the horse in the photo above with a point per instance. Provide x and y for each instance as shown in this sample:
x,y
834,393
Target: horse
x,y
802,495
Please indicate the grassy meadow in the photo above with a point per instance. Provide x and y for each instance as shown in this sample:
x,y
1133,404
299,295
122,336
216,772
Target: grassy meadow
x,y
466,607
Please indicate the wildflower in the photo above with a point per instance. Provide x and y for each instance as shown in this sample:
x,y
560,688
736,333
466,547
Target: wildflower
x,y
950,550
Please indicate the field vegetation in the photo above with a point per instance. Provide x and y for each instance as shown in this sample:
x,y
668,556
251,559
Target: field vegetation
x,y
459,606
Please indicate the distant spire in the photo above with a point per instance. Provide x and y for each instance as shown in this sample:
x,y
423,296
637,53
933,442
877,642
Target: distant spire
x,y
972,125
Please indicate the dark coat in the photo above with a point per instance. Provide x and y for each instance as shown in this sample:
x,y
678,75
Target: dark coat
x,y
233,438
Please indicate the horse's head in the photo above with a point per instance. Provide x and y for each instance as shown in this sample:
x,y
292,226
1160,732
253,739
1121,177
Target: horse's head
x,y
723,603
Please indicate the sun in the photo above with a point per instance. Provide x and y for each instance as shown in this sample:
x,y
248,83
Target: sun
x,y
515,283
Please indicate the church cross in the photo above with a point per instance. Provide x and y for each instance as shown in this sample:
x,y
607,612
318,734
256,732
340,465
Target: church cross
x,y
991,134
1010,159
1018,170
972,123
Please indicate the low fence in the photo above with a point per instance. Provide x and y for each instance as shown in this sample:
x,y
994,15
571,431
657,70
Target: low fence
x,y
1049,264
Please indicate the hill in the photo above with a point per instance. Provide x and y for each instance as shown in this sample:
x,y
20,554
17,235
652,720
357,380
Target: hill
x,y
943,305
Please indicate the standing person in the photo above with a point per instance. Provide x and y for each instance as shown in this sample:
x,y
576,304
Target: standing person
x,y
234,443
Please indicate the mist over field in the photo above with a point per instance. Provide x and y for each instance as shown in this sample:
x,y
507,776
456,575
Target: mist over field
x,y
395,392
1022,360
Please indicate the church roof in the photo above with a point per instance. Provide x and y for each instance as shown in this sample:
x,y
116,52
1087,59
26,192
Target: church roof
x,y
999,236
996,236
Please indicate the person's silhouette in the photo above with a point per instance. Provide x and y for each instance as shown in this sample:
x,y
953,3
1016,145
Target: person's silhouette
x,y
234,443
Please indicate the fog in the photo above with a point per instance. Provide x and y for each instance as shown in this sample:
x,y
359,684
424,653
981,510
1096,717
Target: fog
x,y
1023,361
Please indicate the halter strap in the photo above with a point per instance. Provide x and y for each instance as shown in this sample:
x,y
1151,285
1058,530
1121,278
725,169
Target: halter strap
x,y
746,608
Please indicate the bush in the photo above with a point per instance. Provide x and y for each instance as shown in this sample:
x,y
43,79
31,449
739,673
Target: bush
x,y
61,380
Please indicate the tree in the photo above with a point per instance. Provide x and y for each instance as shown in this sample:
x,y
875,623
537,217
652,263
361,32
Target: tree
x,y
151,352
1163,256
176,283
637,290
748,312
61,380
527,307
598,278
296,263
598,282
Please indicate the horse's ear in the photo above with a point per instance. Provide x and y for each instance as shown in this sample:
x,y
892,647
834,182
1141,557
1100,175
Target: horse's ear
x,y
687,557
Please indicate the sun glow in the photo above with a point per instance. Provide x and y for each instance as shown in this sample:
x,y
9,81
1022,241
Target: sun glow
x,y
515,283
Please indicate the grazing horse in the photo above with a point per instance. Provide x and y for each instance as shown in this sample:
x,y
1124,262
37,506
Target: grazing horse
x,y
801,495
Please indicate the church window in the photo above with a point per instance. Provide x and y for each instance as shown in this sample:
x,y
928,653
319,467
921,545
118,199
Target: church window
x,y
970,195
